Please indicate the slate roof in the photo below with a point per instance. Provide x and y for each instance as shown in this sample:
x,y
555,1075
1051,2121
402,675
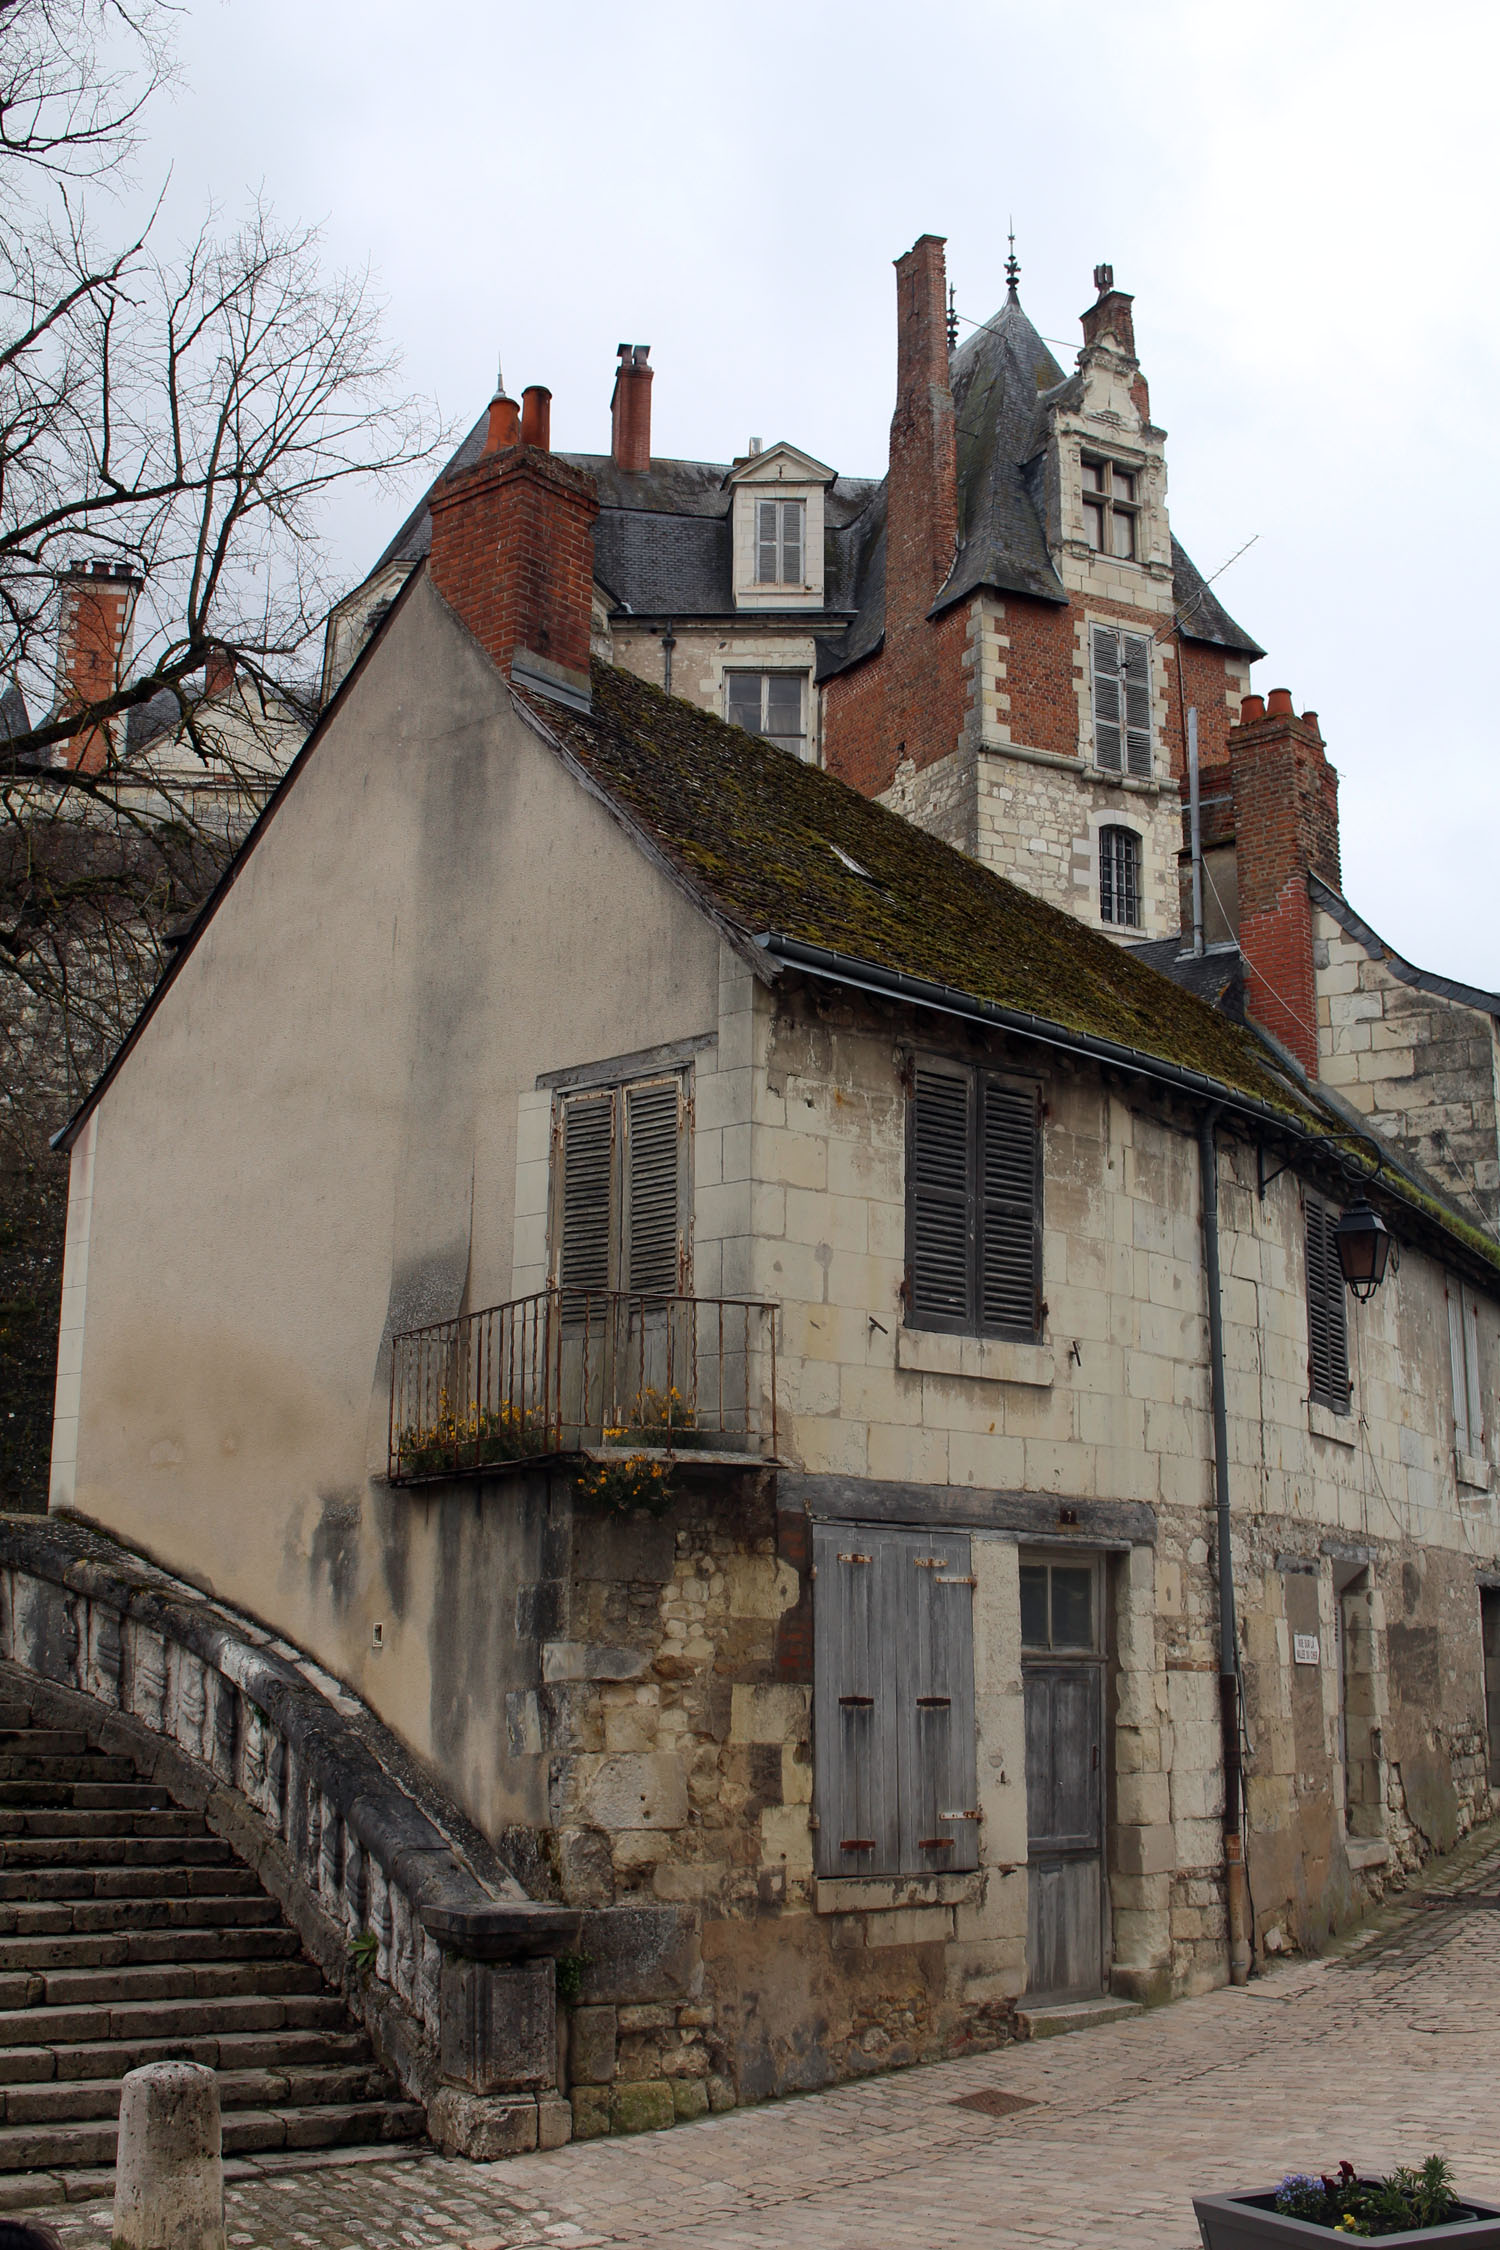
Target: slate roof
x,y
662,541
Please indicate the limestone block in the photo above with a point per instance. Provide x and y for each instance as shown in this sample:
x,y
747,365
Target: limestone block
x,y
1144,1851
1143,1800
578,1660
909,1925
479,2127
497,2024
689,2098
629,1791
590,2107
786,1838
644,2107
169,2175
592,2043
640,1953
554,2121
721,2095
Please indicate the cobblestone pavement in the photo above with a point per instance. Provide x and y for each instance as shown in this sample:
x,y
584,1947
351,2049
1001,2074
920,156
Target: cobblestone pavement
x,y
1380,2055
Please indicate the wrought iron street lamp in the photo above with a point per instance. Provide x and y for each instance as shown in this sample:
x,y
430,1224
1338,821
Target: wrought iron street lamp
x,y
1364,1246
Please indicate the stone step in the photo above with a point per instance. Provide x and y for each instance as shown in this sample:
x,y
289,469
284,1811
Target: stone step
x,y
83,1796
173,2019
58,1917
1051,2019
168,1980
235,2050
172,1880
56,1822
57,1853
43,1742
92,1765
29,2148
68,2101
114,1949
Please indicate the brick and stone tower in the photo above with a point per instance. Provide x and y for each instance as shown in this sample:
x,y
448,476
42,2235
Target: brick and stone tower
x,y
93,655
1018,677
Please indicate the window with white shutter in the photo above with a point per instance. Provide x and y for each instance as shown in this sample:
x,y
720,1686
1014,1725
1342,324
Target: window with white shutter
x,y
780,541
1327,1331
894,1787
973,1202
620,1189
1121,670
1468,1392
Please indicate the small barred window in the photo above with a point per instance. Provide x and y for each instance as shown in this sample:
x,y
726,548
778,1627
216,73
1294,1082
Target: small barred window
x,y
1120,877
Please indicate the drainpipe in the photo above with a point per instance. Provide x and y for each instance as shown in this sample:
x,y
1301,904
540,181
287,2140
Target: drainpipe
x,y
668,643
1229,1662
1195,830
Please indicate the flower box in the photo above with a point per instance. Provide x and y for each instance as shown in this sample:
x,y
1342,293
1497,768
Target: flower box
x,y
1251,2222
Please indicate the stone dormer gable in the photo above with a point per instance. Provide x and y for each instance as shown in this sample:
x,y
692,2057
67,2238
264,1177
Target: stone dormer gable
x,y
1105,469
777,504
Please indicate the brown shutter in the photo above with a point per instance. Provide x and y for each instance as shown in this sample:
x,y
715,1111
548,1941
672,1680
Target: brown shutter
x,y
652,1174
588,1142
1105,644
939,1202
1327,1334
1137,704
1010,1232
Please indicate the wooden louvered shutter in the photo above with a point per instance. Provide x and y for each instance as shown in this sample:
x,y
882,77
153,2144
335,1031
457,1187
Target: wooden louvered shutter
x,y
1459,1359
1327,1335
767,558
585,1231
791,542
934,1663
856,1635
1137,705
1105,643
1471,1368
652,1175
939,1200
1009,1209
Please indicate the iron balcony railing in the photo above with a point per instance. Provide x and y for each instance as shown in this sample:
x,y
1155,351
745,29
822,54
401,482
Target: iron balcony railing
x,y
570,1371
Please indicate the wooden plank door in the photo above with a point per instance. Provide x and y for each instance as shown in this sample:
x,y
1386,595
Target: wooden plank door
x,y
1063,1681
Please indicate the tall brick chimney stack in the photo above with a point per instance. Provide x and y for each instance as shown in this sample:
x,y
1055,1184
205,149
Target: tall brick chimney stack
x,y
630,410
922,495
93,653
1109,323
513,550
1286,827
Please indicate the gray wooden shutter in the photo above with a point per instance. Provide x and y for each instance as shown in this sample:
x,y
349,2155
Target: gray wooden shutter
x,y
767,557
1327,1334
1471,1367
585,1213
939,1202
934,1662
855,1634
1459,1359
1010,1264
1105,644
652,1174
1138,704
791,542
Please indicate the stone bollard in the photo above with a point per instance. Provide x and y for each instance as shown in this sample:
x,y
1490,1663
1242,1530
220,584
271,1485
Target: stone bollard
x,y
169,2177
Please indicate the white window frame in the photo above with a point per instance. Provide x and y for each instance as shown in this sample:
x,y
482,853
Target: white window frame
x,y
781,513
798,743
1104,835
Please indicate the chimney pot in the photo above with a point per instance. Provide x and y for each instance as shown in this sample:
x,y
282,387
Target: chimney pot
x,y
1310,719
1279,704
1252,708
536,417
505,424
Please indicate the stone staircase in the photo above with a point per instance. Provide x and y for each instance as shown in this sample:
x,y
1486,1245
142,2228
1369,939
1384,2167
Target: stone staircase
x,y
130,1933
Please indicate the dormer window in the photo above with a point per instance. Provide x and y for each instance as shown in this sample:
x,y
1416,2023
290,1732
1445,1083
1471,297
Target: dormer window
x,y
1110,508
780,542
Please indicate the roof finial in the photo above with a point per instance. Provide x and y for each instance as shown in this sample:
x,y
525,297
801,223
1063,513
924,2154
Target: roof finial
x,y
499,377
1012,268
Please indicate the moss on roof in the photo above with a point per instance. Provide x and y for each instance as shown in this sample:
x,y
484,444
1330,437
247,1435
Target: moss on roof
x,y
753,830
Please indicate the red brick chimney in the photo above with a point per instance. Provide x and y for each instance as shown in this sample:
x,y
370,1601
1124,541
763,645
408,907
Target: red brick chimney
x,y
1110,321
513,550
93,652
922,500
630,410
1286,827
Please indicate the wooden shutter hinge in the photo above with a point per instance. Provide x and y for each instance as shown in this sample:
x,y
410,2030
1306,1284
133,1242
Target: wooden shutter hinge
x,y
955,1582
958,1815
856,1558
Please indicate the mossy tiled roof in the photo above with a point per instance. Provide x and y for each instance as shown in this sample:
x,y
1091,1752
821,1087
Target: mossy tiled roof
x,y
753,832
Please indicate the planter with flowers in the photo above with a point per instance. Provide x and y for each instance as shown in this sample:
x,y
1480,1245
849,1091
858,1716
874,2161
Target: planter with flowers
x,y
1311,2208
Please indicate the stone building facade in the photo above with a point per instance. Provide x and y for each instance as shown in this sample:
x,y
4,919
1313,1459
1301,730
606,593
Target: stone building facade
x,y
706,1309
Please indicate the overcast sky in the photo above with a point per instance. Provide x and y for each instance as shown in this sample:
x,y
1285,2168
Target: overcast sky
x,y
1302,199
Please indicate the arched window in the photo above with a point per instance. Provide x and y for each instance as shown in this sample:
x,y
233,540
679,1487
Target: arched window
x,y
1120,877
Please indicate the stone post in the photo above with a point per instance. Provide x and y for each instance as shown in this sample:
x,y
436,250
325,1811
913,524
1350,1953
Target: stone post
x,y
169,2176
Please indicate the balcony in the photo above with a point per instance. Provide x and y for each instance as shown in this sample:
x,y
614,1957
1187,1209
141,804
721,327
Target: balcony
x,y
585,1375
